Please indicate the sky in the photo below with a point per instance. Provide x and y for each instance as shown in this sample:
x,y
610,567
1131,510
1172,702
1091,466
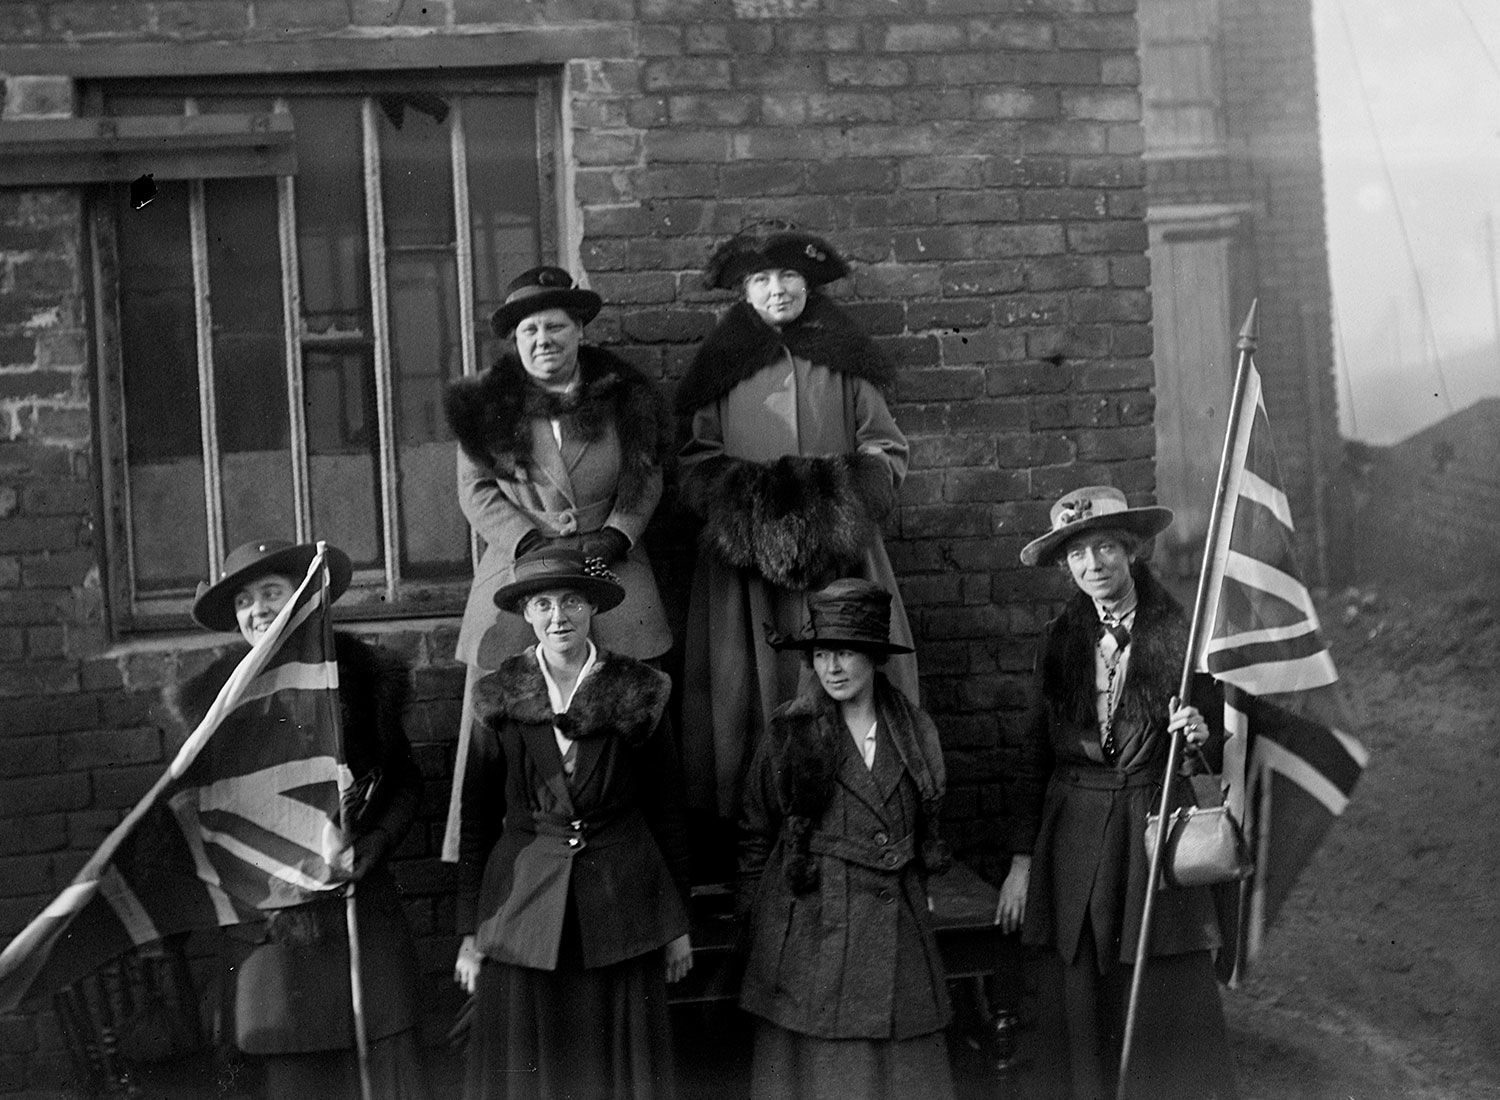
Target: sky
x,y
1409,101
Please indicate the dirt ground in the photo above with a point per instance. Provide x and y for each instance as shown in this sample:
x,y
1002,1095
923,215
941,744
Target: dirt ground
x,y
1380,977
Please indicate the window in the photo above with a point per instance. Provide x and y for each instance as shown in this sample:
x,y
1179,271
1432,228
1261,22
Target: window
x,y
274,349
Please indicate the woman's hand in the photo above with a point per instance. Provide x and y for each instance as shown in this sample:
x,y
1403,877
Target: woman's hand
x,y
1188,719
679,958
466,968
1012,908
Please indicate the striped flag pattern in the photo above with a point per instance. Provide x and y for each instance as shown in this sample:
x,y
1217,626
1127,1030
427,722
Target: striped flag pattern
x,y
1289,764
244,820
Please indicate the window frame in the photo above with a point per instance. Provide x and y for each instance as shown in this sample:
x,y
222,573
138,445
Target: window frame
x,y
380,593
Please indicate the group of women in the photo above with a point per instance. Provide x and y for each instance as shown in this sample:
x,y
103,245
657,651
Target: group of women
x,y
799,722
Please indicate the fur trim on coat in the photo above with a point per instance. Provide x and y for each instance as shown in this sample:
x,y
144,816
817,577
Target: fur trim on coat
x,y
798,521
491,415
1158,641
742,344
807,736
621,698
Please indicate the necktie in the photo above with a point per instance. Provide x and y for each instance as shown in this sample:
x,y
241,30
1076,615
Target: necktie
x,y
570,759
1118,631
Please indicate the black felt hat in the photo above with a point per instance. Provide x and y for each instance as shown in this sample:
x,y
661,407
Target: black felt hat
x,y
548,569
850,613
780,245
214,606
540,288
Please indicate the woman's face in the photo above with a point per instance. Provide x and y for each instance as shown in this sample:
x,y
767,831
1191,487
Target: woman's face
x,y
846,674
548,345
777,294
1100,565
259,602
560,618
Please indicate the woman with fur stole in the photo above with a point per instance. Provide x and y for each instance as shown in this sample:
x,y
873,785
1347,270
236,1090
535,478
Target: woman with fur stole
x,y
838,835
793,463
573,888
290,996
560,443
1090,770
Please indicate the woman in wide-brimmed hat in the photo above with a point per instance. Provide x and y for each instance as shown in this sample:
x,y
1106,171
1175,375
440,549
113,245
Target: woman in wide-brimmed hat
x,y
838,835
560,443
289,992
794,463
573,884
1090,766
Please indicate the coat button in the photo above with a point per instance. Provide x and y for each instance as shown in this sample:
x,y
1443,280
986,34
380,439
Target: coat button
x,y
882,838
892,858
886,897
578,825
574,842
567,524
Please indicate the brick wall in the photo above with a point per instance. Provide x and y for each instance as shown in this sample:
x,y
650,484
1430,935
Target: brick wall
x,y
977,160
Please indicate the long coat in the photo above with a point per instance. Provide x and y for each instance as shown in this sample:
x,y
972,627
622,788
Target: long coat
x,y
610,839
851,954
514,479
291,992
1090,861
793,463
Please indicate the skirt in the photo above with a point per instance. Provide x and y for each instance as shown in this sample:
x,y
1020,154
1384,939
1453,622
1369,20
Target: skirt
x,y
572,1033
791,1066
396,1072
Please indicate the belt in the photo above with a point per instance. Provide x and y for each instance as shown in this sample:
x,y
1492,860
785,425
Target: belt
x,y
1104,779
585,829
880,853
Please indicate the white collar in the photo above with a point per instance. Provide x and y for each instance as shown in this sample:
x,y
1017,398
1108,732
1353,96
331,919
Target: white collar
x,y
554,693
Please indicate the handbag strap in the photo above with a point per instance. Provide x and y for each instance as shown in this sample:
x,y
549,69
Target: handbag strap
x,y
1205,785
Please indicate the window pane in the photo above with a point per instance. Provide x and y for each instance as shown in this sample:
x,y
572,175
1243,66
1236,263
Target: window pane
x,y
332,247
504,201
343,444
244,275
416,171
159,353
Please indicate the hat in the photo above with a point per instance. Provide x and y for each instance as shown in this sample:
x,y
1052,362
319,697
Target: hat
x,y
1093,508
848,614
543,287
773,244
549,568
214,606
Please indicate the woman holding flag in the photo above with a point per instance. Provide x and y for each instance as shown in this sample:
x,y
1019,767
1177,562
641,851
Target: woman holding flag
x,y
1091,762
291,1000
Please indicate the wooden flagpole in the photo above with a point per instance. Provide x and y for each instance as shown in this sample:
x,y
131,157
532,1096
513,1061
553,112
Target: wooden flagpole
x,y
351,919
1246,349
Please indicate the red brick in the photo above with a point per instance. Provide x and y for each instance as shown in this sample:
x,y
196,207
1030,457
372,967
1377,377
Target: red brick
x,y
290,15
1098,33
120,787
923,37
36,384
1017,103
665,146
57,498
1011,34
976,486
880,72
45,643
680,73
593,148
952,314
109,748
43,794
942,172
202,18
57,570
761,178
710,110
87,829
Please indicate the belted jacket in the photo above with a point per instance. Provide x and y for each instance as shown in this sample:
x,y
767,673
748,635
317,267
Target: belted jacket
x,y
610,836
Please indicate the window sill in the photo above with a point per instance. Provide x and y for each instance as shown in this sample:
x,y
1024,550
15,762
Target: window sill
x,y
199,640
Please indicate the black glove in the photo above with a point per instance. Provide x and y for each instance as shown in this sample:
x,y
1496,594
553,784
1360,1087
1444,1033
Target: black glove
x,y
607,543
369,850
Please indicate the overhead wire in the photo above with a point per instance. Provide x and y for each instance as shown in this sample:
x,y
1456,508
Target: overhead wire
x,y
1483,45
1390,183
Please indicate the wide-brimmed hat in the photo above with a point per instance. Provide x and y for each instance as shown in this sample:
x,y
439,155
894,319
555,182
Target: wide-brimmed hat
x,y
773,245
214,606
550,568
850,613
1093,508
543,287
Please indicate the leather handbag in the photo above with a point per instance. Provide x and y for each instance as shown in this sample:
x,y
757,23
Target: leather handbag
x,y
1205,846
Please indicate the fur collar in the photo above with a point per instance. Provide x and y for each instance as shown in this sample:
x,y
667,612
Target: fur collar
x,y
742,344
1158,643
621,697
491,415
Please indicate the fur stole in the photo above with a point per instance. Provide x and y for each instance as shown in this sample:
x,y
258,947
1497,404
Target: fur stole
x,y
742,344
807,739
799,521
491,415
621,698
1158,640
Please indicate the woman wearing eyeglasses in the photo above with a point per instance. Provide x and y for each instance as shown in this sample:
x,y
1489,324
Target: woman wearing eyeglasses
x,y
573,861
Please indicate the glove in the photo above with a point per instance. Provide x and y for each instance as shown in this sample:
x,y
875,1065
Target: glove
x,y
369,850
607,543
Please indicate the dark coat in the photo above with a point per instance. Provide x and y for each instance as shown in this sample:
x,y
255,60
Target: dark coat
x,y
1090,862
611,839
514,479
292,971
847,952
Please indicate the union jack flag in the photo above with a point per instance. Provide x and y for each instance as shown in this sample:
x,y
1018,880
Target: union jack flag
x,y
246,818
1289,764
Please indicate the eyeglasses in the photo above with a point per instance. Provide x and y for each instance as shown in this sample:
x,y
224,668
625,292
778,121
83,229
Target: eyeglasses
x,y
571,604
